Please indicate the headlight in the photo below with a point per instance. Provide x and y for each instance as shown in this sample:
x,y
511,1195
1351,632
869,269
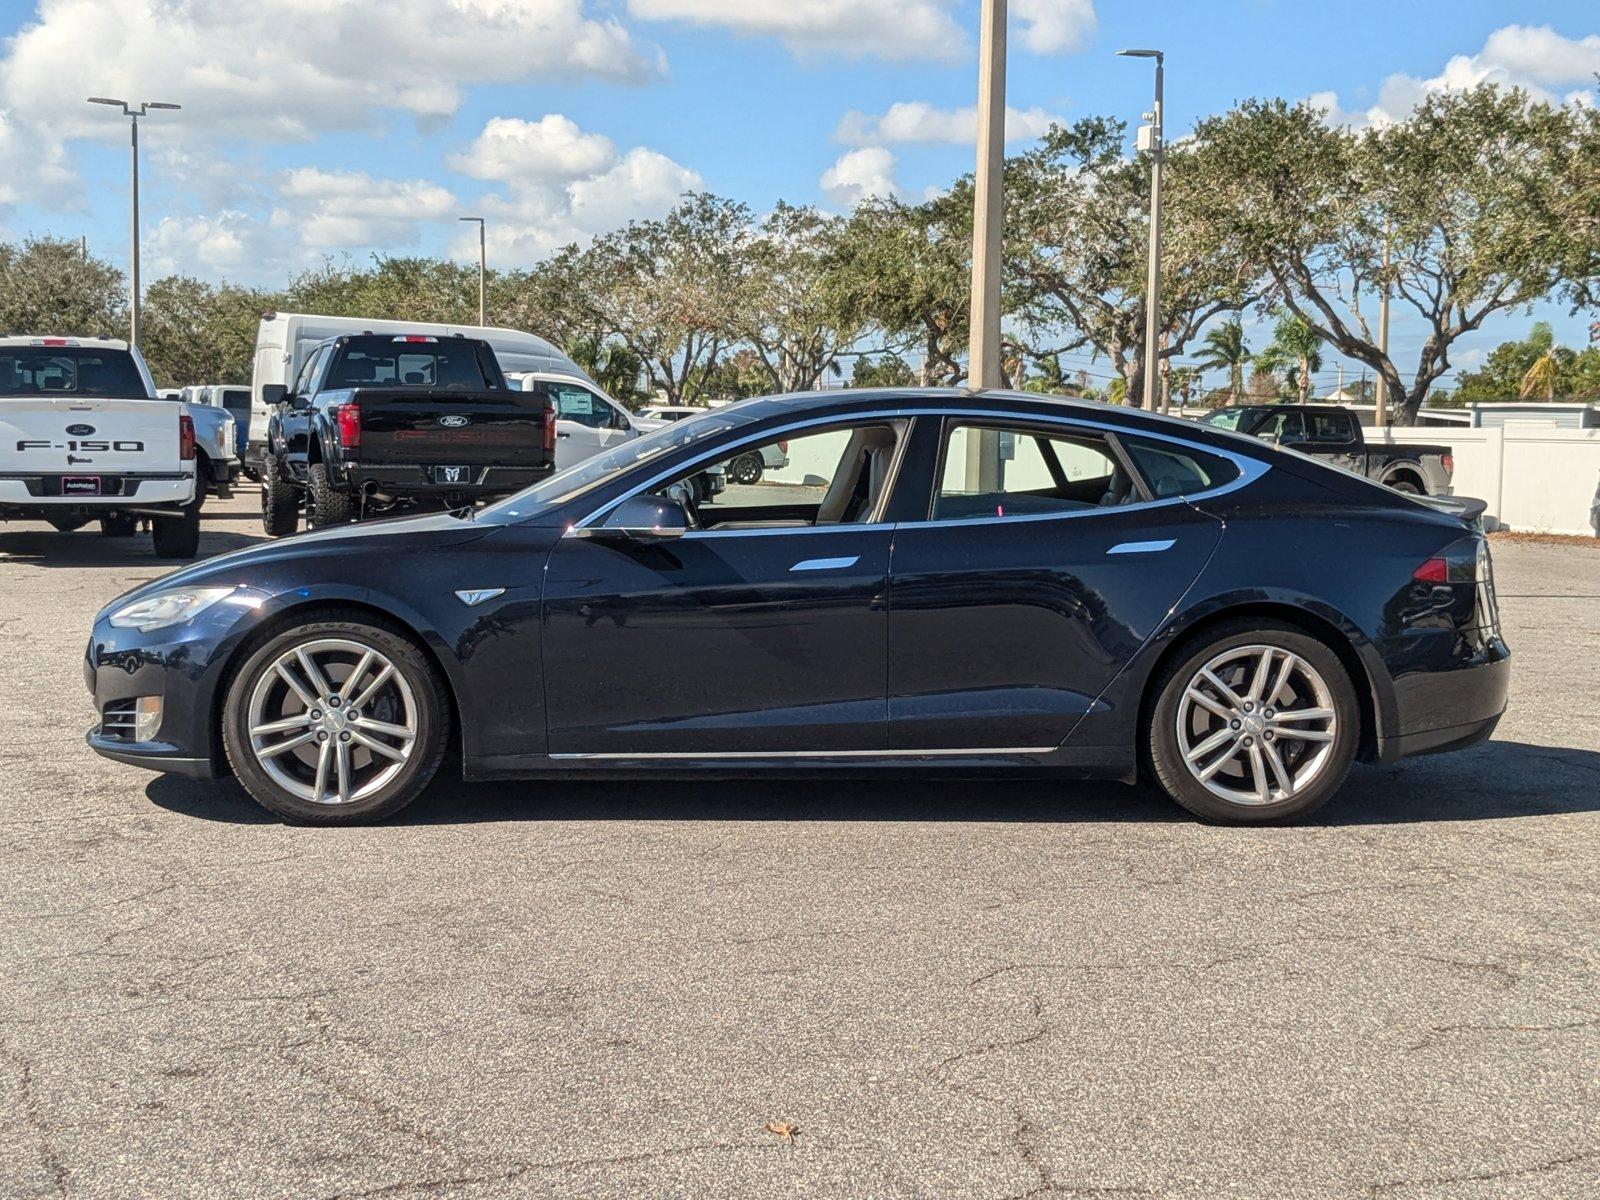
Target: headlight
x,y
168,608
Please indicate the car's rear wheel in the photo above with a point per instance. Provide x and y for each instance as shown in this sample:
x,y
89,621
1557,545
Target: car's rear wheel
x,y
1258,721
280,503
747,468
336,722
326,504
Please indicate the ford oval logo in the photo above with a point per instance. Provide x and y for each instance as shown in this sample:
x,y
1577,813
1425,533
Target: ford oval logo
x,y
80,430
454,422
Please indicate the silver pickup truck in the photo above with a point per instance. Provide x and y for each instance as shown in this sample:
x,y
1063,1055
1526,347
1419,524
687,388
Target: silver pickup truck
x,y
83,438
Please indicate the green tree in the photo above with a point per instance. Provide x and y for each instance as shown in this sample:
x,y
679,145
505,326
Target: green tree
x,y
48,286
905,269
887,370
197,332
1471,192
1076,232
1295,352
1224,349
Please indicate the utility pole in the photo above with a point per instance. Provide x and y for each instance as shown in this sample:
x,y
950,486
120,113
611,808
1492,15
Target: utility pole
x,y
133,115
1150,138
1381,415
483,272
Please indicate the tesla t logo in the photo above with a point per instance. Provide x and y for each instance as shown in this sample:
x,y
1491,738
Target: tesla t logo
x,y
454,422
80,430
452,474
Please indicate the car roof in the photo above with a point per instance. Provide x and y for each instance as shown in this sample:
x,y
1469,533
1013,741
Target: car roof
x,y
79,340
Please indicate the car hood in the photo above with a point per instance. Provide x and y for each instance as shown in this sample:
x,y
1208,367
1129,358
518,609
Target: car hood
x,y
360,545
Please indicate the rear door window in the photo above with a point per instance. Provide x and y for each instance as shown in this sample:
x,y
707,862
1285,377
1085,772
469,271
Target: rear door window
x,y
996,471
1177,468
1336,427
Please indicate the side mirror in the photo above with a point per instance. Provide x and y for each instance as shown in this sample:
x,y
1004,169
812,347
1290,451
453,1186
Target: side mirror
x,y
640,518
273,394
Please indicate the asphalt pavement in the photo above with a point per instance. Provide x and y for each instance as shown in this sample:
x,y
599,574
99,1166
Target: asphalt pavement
x,y
932,988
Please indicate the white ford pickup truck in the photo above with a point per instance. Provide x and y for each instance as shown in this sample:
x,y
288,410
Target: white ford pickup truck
x,y
83,438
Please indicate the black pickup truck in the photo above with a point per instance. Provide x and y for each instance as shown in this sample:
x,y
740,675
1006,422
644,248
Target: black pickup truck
x,y
1329,432
378,422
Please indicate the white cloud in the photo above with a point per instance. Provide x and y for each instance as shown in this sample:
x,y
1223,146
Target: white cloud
x,y
916,121
895,29
1533,57
230,244
563,185
287,70
1055,26
858,174
547,150
341,209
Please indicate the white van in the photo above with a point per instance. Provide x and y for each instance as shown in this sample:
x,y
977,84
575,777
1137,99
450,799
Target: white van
x,y
285,340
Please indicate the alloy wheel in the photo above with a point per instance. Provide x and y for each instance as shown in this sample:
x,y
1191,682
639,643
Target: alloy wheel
x,y
332,721
1256,725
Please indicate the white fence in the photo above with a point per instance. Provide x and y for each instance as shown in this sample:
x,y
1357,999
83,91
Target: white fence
x,y
1537,480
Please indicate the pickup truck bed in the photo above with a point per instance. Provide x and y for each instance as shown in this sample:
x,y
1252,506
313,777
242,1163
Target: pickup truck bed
x,y
1332,434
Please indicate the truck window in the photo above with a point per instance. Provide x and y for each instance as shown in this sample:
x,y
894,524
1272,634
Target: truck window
x,y
449,364
1333,427
1290,426
308,372
68,371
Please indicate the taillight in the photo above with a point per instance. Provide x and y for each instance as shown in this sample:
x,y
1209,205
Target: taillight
x,y
548,425
783,447
1435,570
185,437
1449,461
348,419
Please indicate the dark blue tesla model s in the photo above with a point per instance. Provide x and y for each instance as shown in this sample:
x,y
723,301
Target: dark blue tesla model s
x,y
932,580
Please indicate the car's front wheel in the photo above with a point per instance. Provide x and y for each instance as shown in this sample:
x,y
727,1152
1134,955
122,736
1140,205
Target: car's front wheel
x,y
336,722
1257,722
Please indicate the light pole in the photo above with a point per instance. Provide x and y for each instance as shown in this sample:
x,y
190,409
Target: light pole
x,y
1150,139
483,271
133,115
983,359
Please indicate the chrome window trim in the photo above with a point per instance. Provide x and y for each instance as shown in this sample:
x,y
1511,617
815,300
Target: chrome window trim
x,y
1250,470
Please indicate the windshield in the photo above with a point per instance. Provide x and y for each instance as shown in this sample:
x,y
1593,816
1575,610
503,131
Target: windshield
x,y
68,371
1225,418
580,477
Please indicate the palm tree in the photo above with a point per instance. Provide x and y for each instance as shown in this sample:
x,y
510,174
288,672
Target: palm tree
x,y
1539,381
1224,348
1295,347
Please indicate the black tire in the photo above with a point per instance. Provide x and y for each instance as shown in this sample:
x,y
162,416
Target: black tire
x,y
429,692
326,504
178,537
747,468
1406,488
280,502
119,525
1165,754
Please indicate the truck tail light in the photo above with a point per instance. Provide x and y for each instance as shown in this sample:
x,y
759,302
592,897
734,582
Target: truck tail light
x,y
783,447
185,437
548,427
1449,461
348,420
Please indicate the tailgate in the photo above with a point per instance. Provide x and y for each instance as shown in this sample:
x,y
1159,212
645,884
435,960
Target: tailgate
x,y
89,436
411,426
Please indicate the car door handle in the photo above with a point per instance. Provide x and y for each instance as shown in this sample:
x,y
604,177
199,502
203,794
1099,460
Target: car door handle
x,y
561,435
1142,547
826,564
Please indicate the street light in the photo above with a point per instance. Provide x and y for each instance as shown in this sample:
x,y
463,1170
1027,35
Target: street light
x,y
1150,139
133,115
483,317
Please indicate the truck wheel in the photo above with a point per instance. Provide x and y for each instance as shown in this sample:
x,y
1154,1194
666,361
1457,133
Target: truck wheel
x,y
118,525
178,537
747,468
1406,488
325,504
280,505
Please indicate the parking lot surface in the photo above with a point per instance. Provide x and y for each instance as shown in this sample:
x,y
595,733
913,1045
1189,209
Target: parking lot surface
x,y
950,988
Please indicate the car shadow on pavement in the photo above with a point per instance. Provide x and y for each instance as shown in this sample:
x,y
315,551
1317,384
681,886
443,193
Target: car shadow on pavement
x,y
1496,781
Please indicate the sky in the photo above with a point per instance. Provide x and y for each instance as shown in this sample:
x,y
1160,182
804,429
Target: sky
x,y
345,128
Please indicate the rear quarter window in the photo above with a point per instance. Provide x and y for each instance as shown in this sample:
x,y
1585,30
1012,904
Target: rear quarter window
x,y
1177,468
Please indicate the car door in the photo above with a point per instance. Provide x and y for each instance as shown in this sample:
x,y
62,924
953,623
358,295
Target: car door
x,y
1045,561
1335,437
761,633
585,423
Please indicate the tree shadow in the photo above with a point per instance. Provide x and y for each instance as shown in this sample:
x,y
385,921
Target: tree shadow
x,y
1496,781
